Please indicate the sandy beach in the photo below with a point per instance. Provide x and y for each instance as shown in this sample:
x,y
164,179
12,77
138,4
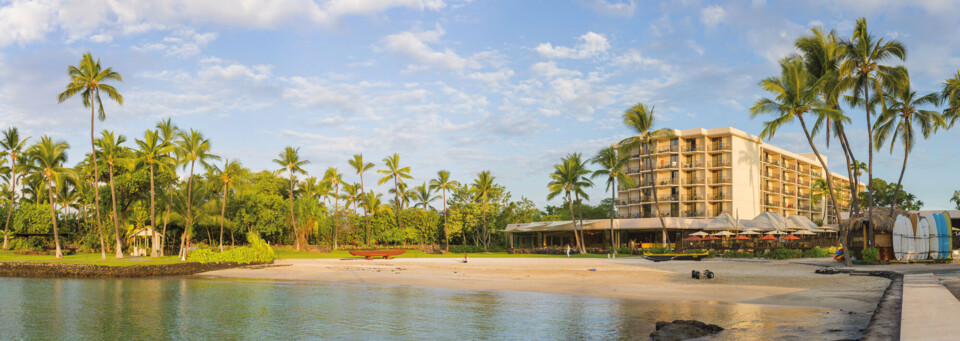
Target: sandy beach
x,y
738,281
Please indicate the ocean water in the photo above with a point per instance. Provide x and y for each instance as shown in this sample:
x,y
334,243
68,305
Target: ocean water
x,y
197,308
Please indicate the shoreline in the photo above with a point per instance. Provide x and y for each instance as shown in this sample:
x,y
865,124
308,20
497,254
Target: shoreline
x,y
777,283
69,270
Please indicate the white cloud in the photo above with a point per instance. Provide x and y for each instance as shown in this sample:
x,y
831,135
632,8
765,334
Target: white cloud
x,y
712,15
494,79
589,45
214,68
634,57
614,8
415,45
183,43
22,21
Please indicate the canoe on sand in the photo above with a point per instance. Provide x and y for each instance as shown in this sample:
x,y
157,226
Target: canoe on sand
x,y
676,256
369,254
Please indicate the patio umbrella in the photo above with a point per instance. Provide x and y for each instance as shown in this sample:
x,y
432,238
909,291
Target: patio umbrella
x,y
700,234
741,238
693,239
768,237
711,238
804,233
724,234
775,233
791,237
749,232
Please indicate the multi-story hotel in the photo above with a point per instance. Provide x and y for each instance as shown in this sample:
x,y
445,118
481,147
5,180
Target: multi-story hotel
x,y
701,173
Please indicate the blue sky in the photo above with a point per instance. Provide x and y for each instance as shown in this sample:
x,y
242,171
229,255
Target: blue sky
x,y
509,86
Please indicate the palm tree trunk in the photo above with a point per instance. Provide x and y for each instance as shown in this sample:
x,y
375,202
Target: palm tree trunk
x,y
869,241
53,215
166,219
656,206
223,212
576,236
446,234
96,185
613,198
396,190
293,220
336,215
13,186
823,164
903,169
854,191
116,221
185,236
154,240
576,196
366,218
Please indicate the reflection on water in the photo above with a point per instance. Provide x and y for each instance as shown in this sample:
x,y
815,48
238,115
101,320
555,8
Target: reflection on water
x,y
195,308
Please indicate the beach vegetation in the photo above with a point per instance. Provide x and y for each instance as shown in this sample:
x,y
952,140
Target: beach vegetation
x,y
257,251
737,254
816,252
782,252
870,255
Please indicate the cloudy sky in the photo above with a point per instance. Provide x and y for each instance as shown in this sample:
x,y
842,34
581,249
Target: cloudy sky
x,y
509,86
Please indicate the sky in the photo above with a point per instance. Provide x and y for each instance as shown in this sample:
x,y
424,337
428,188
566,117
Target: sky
x,y
505,86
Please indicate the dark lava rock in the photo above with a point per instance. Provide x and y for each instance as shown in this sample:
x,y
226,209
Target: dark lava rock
x,y
13,269
679,330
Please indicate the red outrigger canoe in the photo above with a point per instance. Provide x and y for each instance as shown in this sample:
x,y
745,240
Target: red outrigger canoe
x,y
369,254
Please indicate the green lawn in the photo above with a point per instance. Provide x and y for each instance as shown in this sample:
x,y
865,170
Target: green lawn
x,y
419,254
86,258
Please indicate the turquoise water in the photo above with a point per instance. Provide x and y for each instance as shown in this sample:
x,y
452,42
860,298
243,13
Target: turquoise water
x,y
201,308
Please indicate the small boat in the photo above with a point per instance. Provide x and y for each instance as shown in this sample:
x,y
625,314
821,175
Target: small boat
x,y
676,256
369,254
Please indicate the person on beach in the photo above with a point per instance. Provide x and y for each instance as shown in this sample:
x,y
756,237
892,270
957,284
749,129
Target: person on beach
x,y
568,250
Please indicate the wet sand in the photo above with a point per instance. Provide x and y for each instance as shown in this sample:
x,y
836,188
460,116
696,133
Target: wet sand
x,y
738,281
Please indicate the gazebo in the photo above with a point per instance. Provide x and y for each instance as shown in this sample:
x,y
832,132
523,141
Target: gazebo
x,y
141,241
769,221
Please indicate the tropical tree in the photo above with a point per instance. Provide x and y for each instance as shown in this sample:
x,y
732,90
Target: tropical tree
x,y
423,196
48,158
956,198
641,121
335,178
397,174
950,96
360,166
88,79
583,182
564,180
226,177
168,133
865,55
191,147
443,184
483,189
613,166
153,152
13,147
293,164
112,151
899,119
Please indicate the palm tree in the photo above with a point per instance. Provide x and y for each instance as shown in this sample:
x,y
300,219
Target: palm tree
x,y
796,92
397,173
950,95
612,166
168,133
582,183
865,53
48,158
443,184
335,178
153,152
898,121
483,189
641,120
423,196
88,79
112,151
191,148
225,177
563,180
360,166
13,147
291,162
956,199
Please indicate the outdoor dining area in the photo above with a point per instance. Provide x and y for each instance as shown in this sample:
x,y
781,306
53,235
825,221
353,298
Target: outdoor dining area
x,y
766,231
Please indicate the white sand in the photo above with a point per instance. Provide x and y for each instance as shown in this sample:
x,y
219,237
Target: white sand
x,y
768,282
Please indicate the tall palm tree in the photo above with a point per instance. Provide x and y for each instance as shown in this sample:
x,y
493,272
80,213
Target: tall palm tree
x,y
901,117
443,184
423,196
397,174
641,120
13,147
950,96
360,166
191,147
168,133
796,93
293,164
956,198
153,153
563,181
225,178
88,79
612,165
582,182
350,195
48,158
865,55
113,152
483,189
335,178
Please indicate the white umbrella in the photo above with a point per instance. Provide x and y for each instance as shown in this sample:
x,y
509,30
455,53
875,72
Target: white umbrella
x,y
699,234
749,232
776,232
804,232
724,234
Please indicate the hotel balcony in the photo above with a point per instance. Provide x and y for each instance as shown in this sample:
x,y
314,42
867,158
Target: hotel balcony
x,y
667,198
692,214
693,149
720,180
772,203
694,197
693,181
719,147
718,164
695,164
720,197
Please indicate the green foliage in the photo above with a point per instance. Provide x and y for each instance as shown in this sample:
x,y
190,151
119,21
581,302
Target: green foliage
x,y
562,212
783,253
260,213
870,255
657,250
474,249
258,251
737,254
816,252
883,195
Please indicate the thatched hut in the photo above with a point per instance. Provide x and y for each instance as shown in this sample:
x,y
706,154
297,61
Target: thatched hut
x,y
882,226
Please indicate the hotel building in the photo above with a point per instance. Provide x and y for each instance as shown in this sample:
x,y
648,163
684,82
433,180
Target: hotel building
x,y
701,173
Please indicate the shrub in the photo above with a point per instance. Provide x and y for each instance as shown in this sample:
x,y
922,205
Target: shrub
x,y
623,251
737,254
816,252
657,250
257,251
783,253
479,249
870,255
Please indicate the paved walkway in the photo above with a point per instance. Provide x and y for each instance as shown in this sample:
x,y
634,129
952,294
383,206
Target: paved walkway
x,y
930,311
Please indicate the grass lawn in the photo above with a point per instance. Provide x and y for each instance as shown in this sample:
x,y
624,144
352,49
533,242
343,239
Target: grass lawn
x,y
86,258
288,254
